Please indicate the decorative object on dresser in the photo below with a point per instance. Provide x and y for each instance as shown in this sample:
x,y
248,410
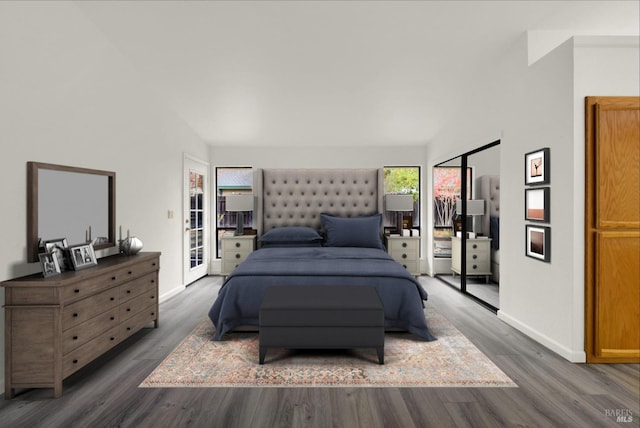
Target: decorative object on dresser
x,y
406,251
130,245
235,249
57,325
240,204
478,256
399,204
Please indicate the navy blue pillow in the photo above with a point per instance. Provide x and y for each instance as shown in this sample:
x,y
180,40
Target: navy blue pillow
x,y
353,231
291,235
494,230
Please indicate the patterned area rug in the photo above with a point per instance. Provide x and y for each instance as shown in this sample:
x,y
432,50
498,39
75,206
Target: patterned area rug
x,y
450,361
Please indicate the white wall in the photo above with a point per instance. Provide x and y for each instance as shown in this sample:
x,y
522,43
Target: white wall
x,y
68,97
527,108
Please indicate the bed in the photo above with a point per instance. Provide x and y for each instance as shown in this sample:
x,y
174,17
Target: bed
x,y
319,227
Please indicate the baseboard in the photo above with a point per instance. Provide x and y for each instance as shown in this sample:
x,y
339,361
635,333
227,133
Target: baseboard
x,y
169,294
563,351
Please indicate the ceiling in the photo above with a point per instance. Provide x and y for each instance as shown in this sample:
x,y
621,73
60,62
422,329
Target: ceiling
x,y
283,73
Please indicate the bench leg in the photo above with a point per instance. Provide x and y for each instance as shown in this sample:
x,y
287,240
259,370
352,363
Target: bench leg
x,y
380,354
263,353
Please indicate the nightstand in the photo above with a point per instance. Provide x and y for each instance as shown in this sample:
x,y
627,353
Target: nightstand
x,y
406,251
478,256
235,249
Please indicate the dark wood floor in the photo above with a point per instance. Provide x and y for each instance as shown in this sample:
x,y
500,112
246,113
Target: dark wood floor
x,y
552,392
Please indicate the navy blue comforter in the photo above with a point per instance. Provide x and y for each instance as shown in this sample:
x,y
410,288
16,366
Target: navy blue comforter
x,y
239,300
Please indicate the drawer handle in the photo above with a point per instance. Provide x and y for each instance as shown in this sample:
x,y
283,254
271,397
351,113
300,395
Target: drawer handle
x,y
75,315
404,244
112,299
237,245
130,272
404,256
475,256
475,266
153,313
153,297
77,290
128,291
75,337
475,246
153,264
113,278
75,361
112,318
404,266
113,338
128,309
153,281
128,328
238,256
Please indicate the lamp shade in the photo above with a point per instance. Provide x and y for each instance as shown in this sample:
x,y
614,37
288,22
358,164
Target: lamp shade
x,y
398,202
474,207
239,202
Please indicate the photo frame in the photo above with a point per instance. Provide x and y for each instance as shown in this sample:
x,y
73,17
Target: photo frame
x,y
82,256
536,167
59,247
537,204
538,242
49,264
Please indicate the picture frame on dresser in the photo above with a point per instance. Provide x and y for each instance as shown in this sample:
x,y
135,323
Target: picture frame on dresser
x,y
58,247
82,256
49,264
536,167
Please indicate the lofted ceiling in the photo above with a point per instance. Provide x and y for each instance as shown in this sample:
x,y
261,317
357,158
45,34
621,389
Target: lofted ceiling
x,y
356,73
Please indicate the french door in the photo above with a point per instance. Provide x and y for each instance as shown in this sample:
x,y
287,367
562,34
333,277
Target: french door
x,y
195,219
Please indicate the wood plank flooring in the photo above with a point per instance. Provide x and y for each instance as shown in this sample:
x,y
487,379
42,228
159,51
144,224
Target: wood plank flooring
x,y
552,392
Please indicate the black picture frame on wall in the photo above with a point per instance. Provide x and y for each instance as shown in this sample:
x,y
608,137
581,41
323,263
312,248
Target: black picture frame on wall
x,y
536,167
537,204
538,242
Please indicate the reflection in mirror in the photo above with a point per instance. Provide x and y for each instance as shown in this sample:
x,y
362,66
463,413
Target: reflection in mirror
x,y
77,204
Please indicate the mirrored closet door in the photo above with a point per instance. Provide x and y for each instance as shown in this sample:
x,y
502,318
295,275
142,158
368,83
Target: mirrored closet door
x,y
466,223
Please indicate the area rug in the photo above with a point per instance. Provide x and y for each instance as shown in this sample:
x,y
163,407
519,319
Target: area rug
x,y
450,361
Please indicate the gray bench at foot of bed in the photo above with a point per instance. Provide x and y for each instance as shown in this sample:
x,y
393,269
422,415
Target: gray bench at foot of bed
x,y
321,317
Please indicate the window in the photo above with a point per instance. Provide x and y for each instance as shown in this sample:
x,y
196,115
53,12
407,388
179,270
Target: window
x,y
403,180
231,180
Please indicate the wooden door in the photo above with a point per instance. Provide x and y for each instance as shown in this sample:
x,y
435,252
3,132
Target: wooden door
x,y
612,222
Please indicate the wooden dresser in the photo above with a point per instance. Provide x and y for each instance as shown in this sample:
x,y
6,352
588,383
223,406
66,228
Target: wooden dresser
x,y
56,325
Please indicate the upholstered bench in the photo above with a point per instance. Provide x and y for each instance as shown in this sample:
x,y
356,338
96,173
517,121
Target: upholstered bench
x,y
321,317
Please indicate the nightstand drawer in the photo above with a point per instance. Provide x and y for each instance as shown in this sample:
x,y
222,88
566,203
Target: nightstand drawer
x,y
237,245
403,245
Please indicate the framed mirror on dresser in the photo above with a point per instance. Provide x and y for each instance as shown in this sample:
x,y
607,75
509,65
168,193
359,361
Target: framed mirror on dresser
x,y
78,204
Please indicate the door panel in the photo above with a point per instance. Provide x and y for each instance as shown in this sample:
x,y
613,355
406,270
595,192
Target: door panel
x,y
612,229
196,209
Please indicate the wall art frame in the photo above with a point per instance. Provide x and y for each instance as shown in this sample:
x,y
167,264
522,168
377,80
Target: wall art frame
x,y
536,167
537,204
538,242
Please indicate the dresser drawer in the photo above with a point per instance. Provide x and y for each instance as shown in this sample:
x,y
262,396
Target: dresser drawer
x,y
237,245
137,304
82,333
81,356
138,286
138,321
403,245
404,256
88,308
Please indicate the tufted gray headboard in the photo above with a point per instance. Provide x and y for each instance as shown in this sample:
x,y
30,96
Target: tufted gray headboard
x,y
297,197
488,188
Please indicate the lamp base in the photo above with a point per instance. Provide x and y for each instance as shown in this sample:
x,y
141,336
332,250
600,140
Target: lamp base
x,y
240,225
